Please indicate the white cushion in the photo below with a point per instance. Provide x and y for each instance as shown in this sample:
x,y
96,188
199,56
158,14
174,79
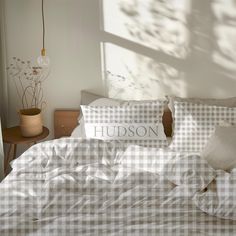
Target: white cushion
x,y
220,151
79,131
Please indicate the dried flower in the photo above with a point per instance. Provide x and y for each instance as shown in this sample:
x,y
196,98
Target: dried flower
x,y
28,82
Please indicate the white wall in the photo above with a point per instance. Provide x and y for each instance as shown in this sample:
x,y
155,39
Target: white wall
x,y
181,47
1,154
73,44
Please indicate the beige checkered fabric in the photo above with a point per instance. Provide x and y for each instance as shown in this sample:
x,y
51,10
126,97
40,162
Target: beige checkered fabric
x,y
195,123
133,113
83,187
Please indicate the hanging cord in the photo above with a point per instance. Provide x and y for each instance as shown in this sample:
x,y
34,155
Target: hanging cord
x,y
43,23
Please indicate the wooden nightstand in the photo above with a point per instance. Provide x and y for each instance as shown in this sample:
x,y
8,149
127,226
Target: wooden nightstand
x,y
13,137
64,122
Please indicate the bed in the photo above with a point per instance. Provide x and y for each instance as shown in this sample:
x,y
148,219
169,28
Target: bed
x,y
77,186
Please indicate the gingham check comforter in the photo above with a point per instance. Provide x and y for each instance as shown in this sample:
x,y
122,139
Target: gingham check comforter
x,y
90,187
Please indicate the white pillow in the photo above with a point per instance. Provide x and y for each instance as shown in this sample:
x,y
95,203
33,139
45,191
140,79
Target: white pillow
x,y
79,131
106,102
195,123
220,151
139,122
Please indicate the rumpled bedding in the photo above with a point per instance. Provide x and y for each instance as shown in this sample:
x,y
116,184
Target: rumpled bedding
x,y
90,187
220,198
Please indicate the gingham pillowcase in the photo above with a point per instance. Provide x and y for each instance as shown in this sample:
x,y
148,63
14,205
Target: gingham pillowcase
x,y
137,123
195,123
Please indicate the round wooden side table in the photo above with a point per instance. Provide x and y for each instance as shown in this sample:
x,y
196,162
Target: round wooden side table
x,y
13,137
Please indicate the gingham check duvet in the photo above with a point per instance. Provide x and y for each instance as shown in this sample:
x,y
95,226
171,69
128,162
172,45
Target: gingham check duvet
x,y
91,187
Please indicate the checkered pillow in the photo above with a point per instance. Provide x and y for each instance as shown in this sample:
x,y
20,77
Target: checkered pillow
x,y
136,122
195,123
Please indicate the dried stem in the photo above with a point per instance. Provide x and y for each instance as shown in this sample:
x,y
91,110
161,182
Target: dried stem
x,y
28,82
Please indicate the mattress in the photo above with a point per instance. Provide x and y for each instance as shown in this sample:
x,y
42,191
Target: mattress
x,y
90,187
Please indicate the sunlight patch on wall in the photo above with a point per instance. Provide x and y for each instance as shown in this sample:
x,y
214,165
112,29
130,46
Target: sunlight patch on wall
x,y
160,25
225,33
129,75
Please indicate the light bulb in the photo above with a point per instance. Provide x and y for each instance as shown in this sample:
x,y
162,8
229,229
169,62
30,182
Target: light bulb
x,y
43,60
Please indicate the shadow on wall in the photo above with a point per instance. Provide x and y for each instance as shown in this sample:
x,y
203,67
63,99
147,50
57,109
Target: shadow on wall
x,y
181,47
